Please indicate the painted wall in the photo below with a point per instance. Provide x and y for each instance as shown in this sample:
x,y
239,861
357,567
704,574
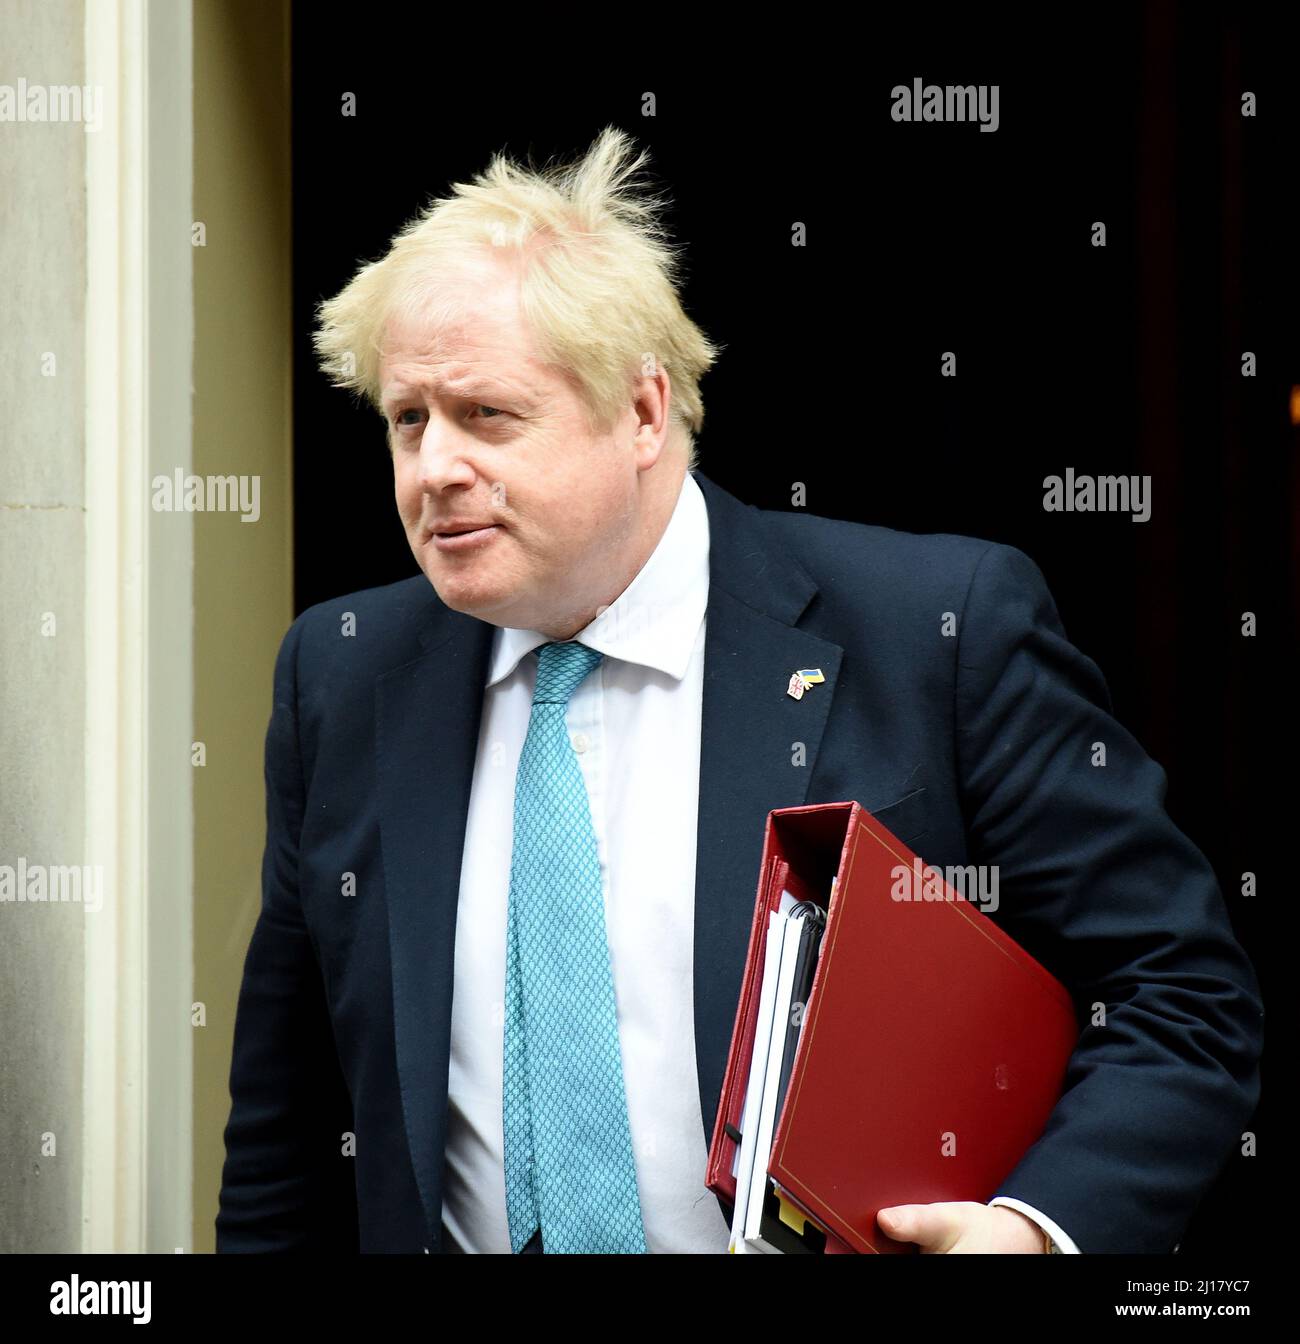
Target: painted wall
x,y
243,594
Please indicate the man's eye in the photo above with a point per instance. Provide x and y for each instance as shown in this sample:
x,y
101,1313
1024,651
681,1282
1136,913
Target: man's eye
x,y
492,413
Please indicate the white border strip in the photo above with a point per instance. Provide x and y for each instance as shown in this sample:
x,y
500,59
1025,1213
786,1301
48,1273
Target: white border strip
x,y
112,1178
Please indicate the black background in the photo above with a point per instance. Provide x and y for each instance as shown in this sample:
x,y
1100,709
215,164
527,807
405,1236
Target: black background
x,y
922,238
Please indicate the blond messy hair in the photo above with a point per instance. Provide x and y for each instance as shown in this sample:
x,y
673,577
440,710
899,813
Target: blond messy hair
x,y
598,282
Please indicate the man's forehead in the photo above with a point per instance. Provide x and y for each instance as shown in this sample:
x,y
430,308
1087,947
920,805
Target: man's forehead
x,y
459,367
458,345
453,374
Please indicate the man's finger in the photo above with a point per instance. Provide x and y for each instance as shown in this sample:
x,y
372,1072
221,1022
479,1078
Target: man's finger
x,y
932,1226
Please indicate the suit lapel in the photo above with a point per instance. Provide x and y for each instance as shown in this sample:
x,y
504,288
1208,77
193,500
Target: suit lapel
x,y
750,741
428,720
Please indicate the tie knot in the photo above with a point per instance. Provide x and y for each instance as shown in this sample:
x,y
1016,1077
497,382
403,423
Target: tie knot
x,y
561,668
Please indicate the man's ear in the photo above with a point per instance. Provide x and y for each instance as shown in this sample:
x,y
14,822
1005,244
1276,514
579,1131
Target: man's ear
x,y
653,402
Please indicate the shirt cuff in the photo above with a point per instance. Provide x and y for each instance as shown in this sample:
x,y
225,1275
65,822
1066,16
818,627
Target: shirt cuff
x,y
1063,1243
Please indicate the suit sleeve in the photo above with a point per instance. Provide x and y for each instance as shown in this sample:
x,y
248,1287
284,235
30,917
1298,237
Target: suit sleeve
x,y
1099,884
286,1185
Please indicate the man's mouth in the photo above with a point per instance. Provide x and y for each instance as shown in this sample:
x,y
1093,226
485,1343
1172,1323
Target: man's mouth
x,y
462,536
453,527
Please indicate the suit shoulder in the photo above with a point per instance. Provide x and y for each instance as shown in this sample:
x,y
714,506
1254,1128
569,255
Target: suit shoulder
x,y
890,560
390,600
382,621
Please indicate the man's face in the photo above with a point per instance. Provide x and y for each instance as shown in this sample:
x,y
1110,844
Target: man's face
x,y
485,436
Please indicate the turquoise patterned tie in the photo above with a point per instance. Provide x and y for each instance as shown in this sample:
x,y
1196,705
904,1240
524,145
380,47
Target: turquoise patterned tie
x,y
568,1144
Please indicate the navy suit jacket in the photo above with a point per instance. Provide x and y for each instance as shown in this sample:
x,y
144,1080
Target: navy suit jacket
x,y
954,709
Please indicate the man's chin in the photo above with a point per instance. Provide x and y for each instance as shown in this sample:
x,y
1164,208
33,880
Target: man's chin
x,y
470,599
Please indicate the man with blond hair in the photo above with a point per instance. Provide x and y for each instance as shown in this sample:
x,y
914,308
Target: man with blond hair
x,y
515,804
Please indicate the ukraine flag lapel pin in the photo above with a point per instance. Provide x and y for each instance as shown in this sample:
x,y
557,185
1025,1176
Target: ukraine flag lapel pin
x,y
800,681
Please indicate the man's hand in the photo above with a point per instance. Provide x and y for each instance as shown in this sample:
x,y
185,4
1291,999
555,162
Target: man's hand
x,y
963,1228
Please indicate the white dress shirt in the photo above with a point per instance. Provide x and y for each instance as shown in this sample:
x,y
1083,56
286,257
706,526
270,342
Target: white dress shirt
x,y
635,726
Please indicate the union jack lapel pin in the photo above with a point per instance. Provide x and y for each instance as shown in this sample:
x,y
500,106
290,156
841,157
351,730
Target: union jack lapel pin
x,y
800,681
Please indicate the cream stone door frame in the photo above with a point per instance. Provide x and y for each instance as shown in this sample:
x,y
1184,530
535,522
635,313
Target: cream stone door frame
x,y
139,630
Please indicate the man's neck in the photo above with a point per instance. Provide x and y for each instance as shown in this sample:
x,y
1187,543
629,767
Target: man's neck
x,y
659,515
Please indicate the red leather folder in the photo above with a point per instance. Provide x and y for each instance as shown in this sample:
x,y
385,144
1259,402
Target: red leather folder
x,y
933,1046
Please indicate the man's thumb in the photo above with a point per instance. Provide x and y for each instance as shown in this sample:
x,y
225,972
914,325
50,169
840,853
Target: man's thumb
x,y
899,1222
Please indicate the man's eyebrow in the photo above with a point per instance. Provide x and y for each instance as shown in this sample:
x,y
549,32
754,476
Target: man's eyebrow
x,y
457,387
479,382
392,392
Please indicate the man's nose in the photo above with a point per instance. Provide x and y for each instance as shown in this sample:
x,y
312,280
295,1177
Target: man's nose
x,y
442,457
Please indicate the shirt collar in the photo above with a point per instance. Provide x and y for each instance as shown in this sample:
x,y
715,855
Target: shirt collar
x,y
656,619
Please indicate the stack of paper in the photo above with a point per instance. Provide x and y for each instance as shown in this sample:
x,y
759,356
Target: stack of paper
x,y
794,934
